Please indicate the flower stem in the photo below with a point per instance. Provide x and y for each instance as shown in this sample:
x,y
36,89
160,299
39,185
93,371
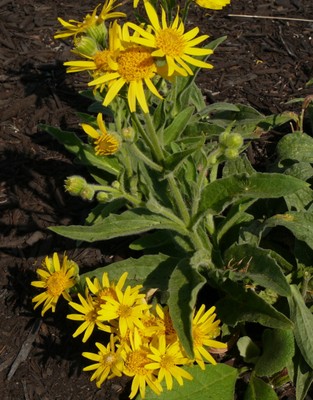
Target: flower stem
x,y
139,154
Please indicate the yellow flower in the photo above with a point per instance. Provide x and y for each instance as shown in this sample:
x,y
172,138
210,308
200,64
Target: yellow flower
x,y
212,4
127,309
57,279
165,324
166,359
133,66
204,330
105,143
135,356
88,315
109,362
73,27
172,43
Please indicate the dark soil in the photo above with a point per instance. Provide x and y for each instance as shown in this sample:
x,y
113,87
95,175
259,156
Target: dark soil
x,y
264,63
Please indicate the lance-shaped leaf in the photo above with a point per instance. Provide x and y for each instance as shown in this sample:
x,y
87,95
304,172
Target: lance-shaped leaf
x,y
176,128
152,271
82,151
257,264
184,285
259,390
216,382
173,161
117,225
300,223
303,320
219,194
244,305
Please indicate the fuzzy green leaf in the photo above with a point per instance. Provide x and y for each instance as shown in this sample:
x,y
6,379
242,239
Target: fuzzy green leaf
x,y
257,264
176,128
248,350
184,285
303,320
216,382
259,390
296,146
117,225
219,194
300,223
282,343
244,305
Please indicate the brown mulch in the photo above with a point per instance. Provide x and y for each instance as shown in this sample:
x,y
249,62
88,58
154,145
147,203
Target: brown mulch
x,y
264,63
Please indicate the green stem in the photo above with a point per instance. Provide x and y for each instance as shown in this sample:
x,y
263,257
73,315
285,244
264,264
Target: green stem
x,y
139,154
156,147
118,193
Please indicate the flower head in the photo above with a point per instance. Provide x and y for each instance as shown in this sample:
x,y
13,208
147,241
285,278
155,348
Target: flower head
x,y
87,315
171,43
212,4
57,279
205,330
74,28
166,359
135,355
105,143
108,362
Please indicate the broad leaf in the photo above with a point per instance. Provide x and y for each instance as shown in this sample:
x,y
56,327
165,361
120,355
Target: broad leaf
x,y
300,223
219,194
303,320
296,146
244,305
282,343
216,382
259,390
256,264
184,285
301,375
118,225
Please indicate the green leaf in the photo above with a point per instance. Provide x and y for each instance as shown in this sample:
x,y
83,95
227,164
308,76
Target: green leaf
x,y
303,320
296,146
152,271
241,165
118,225
300,223
83,152
259,390
176,128
184,285
248,350
216,382
216,196
279,341
244,305
301,375
173,161
257,264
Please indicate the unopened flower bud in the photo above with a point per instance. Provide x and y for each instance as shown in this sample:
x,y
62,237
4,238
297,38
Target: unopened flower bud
x,y
87,193
75,184
116,185
128,134
86,45
231,153
103,197
234,140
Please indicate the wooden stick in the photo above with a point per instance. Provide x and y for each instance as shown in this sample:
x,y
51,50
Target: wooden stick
x,y
269,17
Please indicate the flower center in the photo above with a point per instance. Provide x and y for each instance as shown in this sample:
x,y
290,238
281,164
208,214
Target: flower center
x,y
106,144
170,42
124,311
108,359
167,362
101,59
136,362
135,64
57,283
91,316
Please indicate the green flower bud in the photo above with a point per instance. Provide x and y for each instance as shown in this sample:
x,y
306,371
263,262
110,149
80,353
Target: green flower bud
x,y
103,197
86,45
98,32
223,138
75,184
234,141
231,154
128,134
116,185
87,193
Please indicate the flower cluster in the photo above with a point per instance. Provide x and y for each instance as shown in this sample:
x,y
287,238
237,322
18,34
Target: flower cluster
x,y
142,343
132,64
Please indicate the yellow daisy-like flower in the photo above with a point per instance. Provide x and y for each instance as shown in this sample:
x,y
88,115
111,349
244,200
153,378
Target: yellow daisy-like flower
x,y
135,356
88,315
56,279
166,359
165,324
204,330
73,27
134,67
127,309
109,362
172,43
212,4
105,143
